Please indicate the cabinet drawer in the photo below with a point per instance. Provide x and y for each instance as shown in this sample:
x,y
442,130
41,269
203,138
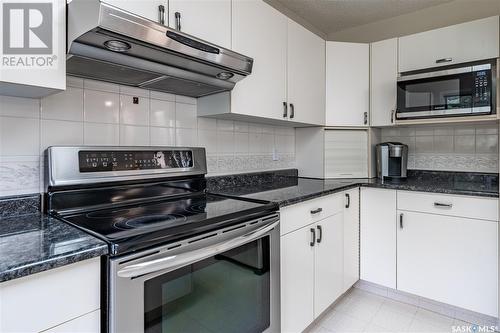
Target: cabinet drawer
x,y
44,300
452,205
304,213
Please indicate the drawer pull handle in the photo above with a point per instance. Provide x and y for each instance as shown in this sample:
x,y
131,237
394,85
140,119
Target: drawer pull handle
x,y
348,197
401,221
440,61
443,205
316,211
313,237
320,234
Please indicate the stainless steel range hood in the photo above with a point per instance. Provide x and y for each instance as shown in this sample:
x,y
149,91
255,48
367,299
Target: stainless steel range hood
x,y
109,44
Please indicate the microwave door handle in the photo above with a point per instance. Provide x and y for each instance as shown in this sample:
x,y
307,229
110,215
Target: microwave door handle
x,y
172,262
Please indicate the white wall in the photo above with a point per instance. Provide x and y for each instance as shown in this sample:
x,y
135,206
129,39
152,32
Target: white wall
x,y
97,113
449,148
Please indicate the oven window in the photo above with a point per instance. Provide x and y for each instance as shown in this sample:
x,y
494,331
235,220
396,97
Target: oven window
x,y
226,293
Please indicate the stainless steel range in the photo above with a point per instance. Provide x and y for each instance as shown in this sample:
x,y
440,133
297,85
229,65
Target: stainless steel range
x,y
180,259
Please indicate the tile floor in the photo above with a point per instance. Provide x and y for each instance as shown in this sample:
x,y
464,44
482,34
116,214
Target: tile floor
x,y
361,311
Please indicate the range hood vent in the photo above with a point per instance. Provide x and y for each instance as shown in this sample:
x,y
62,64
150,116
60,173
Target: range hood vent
x,y
109,44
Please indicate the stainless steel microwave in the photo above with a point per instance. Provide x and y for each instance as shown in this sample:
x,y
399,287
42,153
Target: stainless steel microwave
x,y
457,91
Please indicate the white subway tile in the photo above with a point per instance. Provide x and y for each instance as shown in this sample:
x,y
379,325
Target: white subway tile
x,y
101,107
162,96
208,139
101,134
241,143
225,125
267,143
443,144
240,126
19,136
254,143
132,113
207,123
267,129
465,130
19,107
487,129
185,137
225,142
487,144
134,135
66,105
58,132
424,144
254,128
133,91
185,115
185,99
162,136
464,144
162,113
101,86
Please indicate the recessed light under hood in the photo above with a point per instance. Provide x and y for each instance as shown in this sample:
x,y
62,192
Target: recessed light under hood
x,y
109,44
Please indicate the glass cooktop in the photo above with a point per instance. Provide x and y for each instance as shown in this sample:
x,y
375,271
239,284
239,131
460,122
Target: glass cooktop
x,y
129,228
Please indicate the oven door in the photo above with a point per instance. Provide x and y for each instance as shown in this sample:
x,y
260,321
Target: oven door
x,y
452,92
223,282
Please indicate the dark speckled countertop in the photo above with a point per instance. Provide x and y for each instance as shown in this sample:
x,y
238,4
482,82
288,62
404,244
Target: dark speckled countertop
x,y
285,188
34,243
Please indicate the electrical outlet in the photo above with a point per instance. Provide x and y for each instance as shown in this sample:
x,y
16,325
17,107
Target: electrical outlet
x,y
275,154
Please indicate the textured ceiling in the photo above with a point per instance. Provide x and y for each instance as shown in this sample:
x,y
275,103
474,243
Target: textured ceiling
x,y
329,16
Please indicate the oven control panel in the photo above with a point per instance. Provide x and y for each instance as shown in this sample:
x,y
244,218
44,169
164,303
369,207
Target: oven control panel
x,y
100,161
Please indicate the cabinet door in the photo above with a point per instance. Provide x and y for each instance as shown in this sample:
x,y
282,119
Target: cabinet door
x,y
378,236
89,323
306,75
351,238
347,84
384,73
470,41
206,19
144,8
328,262
346,154
449,259
297,280
260,31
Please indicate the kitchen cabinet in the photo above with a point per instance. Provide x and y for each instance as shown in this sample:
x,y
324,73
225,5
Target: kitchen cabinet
x,y
33,74
88,323
260,31
449,259
465,42
347,84
311,259
47,299
378,236
383,81
146,8
306,75
209,20
351,238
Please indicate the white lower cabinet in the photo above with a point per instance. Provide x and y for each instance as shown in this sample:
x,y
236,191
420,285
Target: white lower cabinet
x,y
351,238
65,299
449,259
378,236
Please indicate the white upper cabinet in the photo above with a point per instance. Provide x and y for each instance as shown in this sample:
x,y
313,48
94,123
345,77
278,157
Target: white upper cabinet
x,y
384,72
306,75
470,41
347,84
27,74
260,31
145,8
206,19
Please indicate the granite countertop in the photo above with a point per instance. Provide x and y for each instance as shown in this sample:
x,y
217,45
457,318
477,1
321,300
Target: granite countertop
x,y
35,242
285,188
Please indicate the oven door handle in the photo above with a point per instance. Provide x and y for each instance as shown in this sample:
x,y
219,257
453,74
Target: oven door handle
x,y
173,262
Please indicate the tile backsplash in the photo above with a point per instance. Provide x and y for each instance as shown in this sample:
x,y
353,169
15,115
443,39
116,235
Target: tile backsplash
x,y
98,113
472,148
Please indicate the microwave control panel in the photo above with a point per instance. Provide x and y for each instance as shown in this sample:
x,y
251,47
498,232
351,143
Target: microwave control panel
x,y
482,88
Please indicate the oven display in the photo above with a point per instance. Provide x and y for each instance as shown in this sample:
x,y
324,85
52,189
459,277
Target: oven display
x,y
99,161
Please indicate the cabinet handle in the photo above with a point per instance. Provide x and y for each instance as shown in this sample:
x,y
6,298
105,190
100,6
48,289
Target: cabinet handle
x,y
177,21
292,111
161,14
285,110
392,116
401,221
313,237
365,118
316,211
348,197
320,234
440,61
443,205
